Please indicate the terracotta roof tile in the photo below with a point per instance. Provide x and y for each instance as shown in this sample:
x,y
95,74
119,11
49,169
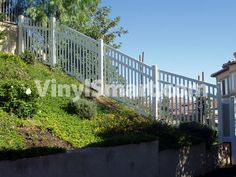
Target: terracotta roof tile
x,y
225,67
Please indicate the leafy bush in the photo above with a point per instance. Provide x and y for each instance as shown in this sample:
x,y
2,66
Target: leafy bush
x,y
118,130
113,127
198,133
28,57
83,108
18,98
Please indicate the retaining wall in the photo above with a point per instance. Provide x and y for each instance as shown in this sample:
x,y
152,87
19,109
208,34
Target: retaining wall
x,y
193,161
141,160
123,161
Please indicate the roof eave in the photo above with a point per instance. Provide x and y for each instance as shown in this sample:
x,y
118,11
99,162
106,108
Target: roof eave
x,y
225,67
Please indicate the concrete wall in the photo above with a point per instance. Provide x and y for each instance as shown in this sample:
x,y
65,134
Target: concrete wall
x,y
124,161
193,161
10,44
143,160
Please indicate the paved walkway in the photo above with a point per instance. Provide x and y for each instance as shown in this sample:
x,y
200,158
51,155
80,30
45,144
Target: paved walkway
x,y
224,172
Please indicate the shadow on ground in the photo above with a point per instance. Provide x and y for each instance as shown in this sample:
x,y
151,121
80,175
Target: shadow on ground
x,y
224,172
30,152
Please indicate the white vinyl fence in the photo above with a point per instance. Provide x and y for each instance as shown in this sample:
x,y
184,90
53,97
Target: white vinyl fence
x,y
36,38
10,9
130,81
77,54
152,92
185,99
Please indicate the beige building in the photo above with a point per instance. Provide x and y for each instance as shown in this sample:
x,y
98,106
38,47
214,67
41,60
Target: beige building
x,y
226,78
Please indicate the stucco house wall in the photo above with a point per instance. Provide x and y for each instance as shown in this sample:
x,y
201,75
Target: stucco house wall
x,y
10,43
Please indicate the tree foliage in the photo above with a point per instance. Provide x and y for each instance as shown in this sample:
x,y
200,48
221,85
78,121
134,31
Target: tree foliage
x,y
104,27
83,15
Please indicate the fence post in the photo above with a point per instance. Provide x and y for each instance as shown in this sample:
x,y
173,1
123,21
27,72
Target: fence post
x,y
220,114
53,41
101,67
232,130
232,117
21,46
155,94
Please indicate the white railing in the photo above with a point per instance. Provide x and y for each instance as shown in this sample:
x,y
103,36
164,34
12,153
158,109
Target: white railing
x,y
152,92
56,44
36,38
129,80
77,54
184,99
10,9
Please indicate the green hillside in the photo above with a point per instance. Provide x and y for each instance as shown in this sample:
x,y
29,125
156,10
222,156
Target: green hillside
x,y
51,117
53,127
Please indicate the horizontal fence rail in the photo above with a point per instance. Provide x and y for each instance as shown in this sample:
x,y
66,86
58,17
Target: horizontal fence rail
x,y
10,9
155,93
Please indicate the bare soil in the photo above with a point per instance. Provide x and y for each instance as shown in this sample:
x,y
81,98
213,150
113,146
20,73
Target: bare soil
x,y
106,102
36,137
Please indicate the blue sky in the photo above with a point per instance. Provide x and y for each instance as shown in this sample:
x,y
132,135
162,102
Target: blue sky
x,y
182,36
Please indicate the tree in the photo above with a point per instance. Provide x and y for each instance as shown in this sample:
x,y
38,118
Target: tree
x,y
68,12
82,15
103,27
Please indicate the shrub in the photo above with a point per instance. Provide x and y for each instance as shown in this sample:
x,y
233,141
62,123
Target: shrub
x,y
18,98
198,133
28,57
83,108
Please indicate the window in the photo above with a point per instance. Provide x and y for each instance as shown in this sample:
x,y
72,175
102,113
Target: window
x,y
225,86
233,82
228,85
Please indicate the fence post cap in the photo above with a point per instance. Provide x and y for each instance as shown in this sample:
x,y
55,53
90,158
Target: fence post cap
x,y
21,17
154,67
53,19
